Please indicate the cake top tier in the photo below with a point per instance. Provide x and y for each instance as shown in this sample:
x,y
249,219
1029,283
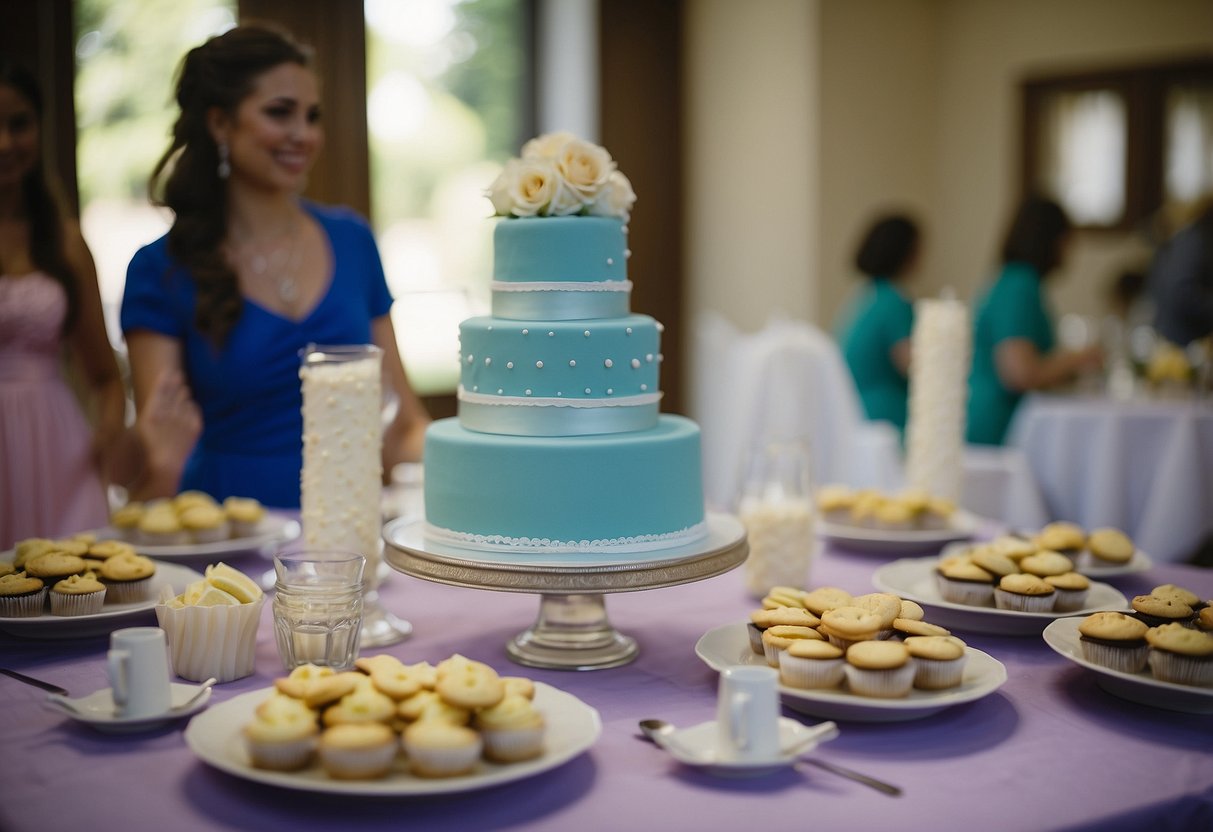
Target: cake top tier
x,y
560,175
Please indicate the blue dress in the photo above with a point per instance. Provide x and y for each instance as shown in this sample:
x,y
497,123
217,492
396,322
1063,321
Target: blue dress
x,y
1013,307
877,318
249,391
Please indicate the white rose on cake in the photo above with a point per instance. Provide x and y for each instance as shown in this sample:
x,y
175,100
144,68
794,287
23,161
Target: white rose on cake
x,y
548,145
585,167
615,199
532,184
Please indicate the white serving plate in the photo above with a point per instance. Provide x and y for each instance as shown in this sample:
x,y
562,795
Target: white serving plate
x,y
1062,635
215,736
272,531
1140,562
729,645
914,578
112,616
908,542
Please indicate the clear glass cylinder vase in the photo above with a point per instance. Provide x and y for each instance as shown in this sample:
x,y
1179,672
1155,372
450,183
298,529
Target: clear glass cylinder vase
x,y
777,509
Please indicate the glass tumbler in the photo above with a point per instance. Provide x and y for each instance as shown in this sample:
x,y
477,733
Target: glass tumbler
x,y
318,607
779,515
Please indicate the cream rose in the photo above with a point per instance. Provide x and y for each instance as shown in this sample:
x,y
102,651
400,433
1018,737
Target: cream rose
x,y
499,192
585,167
547,146
615,199
532,186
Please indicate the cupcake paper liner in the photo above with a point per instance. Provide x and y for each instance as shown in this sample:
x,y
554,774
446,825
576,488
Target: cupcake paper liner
x,y
1005,600
892,683
358,763
87,603
755,638
23,606
1125,659
443,762
1069,600
970,593
291,755
798,672
938,674
1184,670
128,592
216,641
512,745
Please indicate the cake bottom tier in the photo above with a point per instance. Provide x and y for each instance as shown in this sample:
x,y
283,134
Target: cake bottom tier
x,y
614,492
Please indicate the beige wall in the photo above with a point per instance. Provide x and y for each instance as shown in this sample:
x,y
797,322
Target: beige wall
x,y
905,103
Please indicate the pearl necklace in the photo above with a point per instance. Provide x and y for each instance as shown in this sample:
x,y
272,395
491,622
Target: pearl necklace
x,y
276,265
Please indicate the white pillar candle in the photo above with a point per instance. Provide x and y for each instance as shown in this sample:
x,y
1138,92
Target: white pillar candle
x,y
342,437
939,391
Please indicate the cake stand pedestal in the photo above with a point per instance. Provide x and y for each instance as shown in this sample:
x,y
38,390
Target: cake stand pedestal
x,y
572,631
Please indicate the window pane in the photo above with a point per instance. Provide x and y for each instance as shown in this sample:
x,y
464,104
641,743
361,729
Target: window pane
x,y
126,60
446,85
1188,172
1082,141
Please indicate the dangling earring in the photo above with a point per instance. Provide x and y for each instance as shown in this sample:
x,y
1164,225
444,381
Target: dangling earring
x,y
225,167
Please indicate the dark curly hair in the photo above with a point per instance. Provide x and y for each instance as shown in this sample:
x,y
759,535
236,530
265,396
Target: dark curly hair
x,y
42,201
219,73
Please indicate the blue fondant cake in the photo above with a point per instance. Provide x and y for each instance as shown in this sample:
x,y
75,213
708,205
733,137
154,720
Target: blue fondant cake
x,y
559,444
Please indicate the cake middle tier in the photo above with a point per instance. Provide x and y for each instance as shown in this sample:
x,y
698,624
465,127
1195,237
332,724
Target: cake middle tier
x,y
600,362
618,492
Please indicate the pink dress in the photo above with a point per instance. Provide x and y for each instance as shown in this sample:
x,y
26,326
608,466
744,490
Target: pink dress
x,y
48,484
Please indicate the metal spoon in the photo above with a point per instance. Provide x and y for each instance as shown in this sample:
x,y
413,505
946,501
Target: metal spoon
x,y
30,680
655,730
202,689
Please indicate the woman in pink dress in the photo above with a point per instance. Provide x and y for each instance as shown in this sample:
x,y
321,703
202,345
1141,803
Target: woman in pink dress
x,y
53,466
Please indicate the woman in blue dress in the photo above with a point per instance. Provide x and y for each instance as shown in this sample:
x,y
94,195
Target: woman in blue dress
x,y
875,329
1013,341
249,274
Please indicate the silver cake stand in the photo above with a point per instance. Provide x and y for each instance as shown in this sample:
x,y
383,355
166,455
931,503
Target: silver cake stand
x,y
572,631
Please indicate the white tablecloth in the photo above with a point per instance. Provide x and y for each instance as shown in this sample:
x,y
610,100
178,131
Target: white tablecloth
x,y
1143,466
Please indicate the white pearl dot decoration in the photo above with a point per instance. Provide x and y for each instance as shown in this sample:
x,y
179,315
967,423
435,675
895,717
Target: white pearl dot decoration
x,y
627,254
528,391
538,365
660,358
551,334
526,332
488,362
475,388
608,363
509,365
610,391
559,394
624,229
649,357
490,328
499,391
610,261
628,331
572,362
471,358
587,391
643,387
635,363
587,333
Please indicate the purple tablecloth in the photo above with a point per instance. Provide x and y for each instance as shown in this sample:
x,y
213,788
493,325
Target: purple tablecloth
x,y
1048,750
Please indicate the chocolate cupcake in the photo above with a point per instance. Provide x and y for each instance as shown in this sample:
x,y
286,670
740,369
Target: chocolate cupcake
x,y
21,596
1114,640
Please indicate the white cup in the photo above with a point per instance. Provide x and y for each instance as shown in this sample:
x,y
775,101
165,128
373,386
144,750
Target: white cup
x,y
747,714
137,665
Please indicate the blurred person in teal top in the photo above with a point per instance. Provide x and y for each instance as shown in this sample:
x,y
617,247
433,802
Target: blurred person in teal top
x,y
874,331
1014,348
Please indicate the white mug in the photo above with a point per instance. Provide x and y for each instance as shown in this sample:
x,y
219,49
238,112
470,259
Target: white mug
x,y
137,665
747,714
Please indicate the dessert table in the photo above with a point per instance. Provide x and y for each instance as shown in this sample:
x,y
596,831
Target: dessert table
x,y
1144,465
1050,749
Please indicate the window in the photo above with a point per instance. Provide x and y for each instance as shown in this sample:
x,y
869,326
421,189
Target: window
x,y
1113,146
448,101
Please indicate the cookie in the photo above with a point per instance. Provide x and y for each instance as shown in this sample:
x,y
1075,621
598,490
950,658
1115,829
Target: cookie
x,y
1154,610
1062,537
787,616
912,627
470,685
826,598
995,562
883,605
1111,546
1046,562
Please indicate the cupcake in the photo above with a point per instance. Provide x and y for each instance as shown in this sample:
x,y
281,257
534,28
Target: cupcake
x,y
512,730
1110,547
1180,654
54,567
1046,562
1064,537
894,515
77,595
439,749
964,583
761,620
125,521
128,578
358,752
1114,640
244,514
1072,589
160,526
880,669
863,509
282,735
205,523
938,514
834,502
781,637
848,625
1024,593
364,704
1155,611
939,661
188,499
810,664
21,596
